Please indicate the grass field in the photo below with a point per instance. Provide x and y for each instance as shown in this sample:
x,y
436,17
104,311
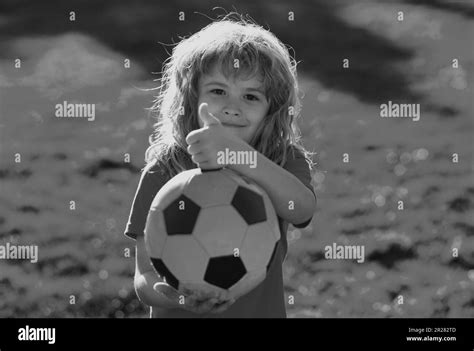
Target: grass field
x,y
83,255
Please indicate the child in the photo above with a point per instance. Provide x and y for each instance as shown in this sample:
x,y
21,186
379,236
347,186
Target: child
x,y
231,85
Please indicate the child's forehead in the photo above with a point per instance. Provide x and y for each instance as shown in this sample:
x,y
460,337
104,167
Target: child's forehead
x,y
218,73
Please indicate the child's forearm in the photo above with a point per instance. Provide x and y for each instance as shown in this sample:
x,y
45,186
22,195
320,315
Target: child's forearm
x,y
292,200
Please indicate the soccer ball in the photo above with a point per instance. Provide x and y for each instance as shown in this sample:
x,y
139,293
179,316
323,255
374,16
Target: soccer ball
x,y
212,231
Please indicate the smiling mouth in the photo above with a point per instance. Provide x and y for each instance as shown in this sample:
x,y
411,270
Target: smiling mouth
x,y
232,125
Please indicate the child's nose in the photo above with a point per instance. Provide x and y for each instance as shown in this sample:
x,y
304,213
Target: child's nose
x,y
231,112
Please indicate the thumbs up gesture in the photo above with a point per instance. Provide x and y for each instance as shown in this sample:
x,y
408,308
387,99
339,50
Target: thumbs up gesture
x,y
205,143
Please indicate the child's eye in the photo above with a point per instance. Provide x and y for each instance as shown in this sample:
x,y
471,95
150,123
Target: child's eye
x,y
253,97
221,92
217,90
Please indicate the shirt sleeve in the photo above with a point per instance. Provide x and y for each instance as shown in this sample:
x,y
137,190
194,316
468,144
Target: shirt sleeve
x,y
150,183
296,164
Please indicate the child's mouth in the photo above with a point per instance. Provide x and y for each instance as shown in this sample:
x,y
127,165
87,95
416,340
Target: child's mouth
x,y
232,125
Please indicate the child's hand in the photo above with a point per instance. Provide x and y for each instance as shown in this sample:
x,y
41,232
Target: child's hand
x,y
221,307
205,143
194,302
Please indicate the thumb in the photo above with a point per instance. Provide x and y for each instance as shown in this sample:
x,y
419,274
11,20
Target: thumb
x,y
206,117
166,290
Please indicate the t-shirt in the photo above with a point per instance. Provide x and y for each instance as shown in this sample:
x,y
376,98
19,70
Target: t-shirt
x,y
267,299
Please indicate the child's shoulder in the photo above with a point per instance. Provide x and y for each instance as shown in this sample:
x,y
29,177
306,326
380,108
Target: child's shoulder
x,y
294,152
161,171
298,157
154,172
152,166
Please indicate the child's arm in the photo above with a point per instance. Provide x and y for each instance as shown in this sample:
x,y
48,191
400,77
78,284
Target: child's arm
x,y
163,295
146,278
281,186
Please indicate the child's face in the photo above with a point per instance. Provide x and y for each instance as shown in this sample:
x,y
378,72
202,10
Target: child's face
x,y
237,104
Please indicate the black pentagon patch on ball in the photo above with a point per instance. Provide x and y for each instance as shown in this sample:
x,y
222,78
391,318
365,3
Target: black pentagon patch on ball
x,y
273,256
250,205
224,271
181,219
163,271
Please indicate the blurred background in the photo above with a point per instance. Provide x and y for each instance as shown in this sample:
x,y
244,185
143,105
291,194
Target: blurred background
x,y
83,253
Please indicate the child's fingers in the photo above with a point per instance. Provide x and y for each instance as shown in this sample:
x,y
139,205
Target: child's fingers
x,y
194,148
199,158
168,291
186,299
193,136
165,289
222,307
205,306
202,300
187,291
190,301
